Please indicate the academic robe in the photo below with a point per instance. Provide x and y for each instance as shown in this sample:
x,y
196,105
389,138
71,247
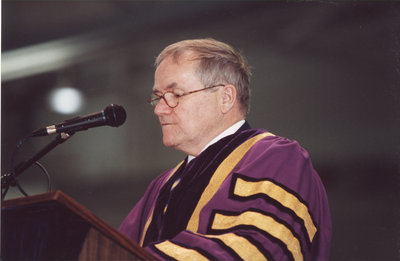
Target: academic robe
x,y
250,196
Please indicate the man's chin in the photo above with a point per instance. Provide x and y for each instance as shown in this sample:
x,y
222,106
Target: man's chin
x,y
168,143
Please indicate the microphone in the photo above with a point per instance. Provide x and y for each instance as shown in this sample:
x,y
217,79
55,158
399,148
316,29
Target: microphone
x,y
113,115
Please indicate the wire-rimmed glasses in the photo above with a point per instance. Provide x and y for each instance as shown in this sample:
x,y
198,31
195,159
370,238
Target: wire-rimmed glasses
x,y
172,99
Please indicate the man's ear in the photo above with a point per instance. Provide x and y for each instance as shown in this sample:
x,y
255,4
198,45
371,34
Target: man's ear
x,y
228,98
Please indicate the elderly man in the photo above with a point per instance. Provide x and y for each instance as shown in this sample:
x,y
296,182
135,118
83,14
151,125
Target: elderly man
x,y
241,193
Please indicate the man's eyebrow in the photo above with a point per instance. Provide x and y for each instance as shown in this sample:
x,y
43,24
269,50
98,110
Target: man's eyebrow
x,y
169,87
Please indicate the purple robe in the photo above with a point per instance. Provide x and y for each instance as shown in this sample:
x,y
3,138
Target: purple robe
x,y
251,196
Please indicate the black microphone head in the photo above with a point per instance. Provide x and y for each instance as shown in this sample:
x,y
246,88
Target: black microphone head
x,y
115,115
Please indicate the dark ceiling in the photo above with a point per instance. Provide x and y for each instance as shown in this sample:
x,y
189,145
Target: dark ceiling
x,y
287,25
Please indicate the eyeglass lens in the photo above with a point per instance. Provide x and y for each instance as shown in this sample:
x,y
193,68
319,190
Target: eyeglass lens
x,y
169,97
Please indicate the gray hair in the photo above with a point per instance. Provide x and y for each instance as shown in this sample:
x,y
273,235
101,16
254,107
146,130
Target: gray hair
x,y
218,63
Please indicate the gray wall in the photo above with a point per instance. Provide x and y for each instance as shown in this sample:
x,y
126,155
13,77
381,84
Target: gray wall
x,y
325,74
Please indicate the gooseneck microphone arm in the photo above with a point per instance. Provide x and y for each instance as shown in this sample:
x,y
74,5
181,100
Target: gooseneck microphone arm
x,y
9,179
61,138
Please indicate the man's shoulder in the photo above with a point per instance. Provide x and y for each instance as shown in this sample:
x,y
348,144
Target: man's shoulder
x,y
276,157
276,144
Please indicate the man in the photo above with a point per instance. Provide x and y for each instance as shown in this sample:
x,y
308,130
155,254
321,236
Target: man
x,y
241,193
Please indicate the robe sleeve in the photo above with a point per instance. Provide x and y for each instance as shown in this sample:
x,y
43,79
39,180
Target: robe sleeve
x,y
271,206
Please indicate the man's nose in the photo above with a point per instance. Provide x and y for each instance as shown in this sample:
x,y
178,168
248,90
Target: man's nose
x,y
162,108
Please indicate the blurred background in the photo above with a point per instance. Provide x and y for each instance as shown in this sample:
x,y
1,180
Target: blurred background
x,y
326,74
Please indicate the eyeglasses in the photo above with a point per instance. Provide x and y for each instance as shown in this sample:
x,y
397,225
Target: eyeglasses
x,y
172,99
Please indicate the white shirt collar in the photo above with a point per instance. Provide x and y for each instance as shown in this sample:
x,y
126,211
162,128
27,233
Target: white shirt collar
x,y
232,129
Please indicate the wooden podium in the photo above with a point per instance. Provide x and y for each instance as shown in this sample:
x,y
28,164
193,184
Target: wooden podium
x,y
53,226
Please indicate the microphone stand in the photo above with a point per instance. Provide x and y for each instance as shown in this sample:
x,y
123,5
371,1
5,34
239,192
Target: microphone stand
x,y
9,179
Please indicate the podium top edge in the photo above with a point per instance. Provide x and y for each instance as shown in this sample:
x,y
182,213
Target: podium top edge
x,y
60,198
39,198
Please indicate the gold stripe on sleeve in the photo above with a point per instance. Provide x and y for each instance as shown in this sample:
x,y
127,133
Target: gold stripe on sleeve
x,y
146,226
219,176
264,223
241,246
245,188
179,252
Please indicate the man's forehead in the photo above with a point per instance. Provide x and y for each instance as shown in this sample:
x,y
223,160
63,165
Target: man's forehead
x,y
168,78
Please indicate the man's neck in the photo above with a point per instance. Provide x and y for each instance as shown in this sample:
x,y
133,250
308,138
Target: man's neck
x,y
231,130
